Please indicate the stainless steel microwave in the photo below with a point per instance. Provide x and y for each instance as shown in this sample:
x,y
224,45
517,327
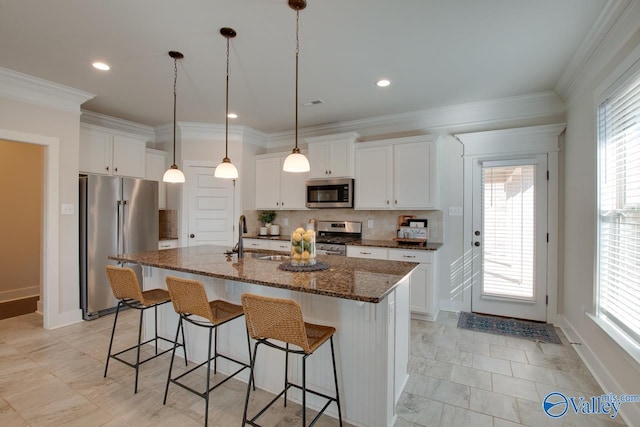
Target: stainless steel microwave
x,y
330,193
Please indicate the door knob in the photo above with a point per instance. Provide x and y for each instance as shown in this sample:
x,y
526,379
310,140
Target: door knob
x,y
476,243
192,235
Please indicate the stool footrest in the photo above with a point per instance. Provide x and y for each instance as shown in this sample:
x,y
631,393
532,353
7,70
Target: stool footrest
x,y
289,385
211,388
133,365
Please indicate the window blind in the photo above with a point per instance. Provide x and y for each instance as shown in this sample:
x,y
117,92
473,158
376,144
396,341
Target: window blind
x,y
618,275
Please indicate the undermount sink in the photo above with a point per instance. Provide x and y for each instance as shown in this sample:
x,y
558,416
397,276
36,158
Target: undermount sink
x,y
264,257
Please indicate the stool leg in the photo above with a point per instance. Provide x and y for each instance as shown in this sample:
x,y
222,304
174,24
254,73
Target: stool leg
x,y
251,378
304,390
184,343
113,331
155,316
206,396
215,351
246,402
173,355
135,390
335,378
286,373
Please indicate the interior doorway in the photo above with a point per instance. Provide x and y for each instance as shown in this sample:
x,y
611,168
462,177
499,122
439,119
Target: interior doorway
x,y
21,183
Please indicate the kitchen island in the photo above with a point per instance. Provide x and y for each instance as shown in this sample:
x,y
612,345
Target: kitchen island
x,y
367,301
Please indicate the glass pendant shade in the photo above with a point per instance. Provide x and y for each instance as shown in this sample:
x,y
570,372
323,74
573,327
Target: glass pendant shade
x,y
296,162
173,174
226,170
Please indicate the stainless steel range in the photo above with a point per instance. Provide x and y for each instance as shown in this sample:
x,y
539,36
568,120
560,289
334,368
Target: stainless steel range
x,y
332,236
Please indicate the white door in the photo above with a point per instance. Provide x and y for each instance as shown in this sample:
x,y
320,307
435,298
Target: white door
x,y
210,202
510,237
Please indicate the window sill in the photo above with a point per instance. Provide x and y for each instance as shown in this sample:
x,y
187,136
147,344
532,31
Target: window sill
x,y
630,347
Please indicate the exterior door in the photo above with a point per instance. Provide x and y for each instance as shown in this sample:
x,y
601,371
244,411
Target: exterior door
x,y
210,202
510,237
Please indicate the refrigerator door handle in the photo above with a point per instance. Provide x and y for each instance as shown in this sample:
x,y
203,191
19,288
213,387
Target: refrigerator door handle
x,y
124,226
118,228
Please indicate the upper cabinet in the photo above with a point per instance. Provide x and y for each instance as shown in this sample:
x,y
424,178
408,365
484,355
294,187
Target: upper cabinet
x,y
396,174
276,189
156,165
106,152
331,156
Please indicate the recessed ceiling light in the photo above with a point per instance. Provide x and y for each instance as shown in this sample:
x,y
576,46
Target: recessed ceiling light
x,y
232,115
101,66
383,83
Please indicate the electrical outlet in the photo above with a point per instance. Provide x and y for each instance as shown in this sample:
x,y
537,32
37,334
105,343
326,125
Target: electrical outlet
x,y
285,221
370,223
455,211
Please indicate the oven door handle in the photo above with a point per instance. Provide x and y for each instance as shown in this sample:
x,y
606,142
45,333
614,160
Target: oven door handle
x,y
332,253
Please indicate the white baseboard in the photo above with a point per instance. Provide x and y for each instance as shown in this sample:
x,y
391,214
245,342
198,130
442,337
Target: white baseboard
x,y
65,319
630,413
454,306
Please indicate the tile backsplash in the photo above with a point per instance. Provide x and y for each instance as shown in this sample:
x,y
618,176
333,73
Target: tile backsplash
x,y
384,222
168,224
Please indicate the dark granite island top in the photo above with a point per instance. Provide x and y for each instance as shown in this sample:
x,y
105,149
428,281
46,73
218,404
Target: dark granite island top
x,y
348,278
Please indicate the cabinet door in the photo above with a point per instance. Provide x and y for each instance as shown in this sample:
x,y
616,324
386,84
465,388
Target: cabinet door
x,y
421,289
319,160
128,157
156,165
292,189
95,152
256,244
341,159
268,183
373,177
413,182
280,245
366,252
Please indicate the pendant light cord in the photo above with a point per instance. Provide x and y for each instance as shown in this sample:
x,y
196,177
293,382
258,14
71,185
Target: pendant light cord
x,y
226,116
297,55
175,83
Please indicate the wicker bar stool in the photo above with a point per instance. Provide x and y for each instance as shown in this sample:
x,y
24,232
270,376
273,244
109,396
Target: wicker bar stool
x,y
281,320
190,301
125,287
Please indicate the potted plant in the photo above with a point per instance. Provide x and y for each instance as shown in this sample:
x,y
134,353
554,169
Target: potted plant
x,y
266,217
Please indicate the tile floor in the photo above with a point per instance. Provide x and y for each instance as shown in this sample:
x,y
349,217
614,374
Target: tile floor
x,y
458,378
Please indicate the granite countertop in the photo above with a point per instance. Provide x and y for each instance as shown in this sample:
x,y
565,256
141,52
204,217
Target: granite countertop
x,y
349,278
365,242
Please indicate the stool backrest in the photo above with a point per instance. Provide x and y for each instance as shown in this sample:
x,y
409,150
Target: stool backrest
x,y
189,297
275,318
124,283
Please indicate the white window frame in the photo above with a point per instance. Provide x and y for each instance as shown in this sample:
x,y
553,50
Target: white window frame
x,y
626,73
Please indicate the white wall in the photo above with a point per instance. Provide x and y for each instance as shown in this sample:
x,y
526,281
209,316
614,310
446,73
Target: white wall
x,y
613,368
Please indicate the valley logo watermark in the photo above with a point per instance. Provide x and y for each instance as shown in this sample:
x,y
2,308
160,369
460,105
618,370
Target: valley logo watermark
x,y
556,404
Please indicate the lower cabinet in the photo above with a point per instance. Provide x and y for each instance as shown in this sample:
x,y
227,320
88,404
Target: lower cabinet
x,y
422,278
256,243
167,244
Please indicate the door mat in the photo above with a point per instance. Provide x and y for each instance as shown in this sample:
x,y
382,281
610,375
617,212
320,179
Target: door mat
x,y
543,332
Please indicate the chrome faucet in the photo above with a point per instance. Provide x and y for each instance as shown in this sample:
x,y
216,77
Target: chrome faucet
x,y
242,228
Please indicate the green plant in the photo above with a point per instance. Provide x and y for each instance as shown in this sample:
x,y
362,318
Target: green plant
x,y
267,216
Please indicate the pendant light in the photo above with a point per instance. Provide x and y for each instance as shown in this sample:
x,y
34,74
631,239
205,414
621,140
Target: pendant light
x,y
226,169
173,174
296,161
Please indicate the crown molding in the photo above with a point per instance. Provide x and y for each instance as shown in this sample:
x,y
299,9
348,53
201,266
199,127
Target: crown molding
x,y
32,90
114,123
529,140
190,131
500,112
617,22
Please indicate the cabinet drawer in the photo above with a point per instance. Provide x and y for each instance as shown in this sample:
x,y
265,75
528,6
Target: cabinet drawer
x,y
167,244
256,244
366,252
411,255
280,245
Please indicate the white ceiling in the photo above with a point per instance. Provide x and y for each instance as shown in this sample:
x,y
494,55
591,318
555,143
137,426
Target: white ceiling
x,y
436,52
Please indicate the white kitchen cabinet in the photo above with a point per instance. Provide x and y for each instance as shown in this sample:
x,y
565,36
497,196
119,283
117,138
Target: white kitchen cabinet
x,y
167,244
332,156
107,152
422,281
368,252
396,174
280,245
255,243
155,167
276,189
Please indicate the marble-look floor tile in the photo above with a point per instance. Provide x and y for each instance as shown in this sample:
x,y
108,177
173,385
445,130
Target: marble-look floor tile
x,y
455,357
455,416
508,353
474,347
498,405
420,411
533,373
491,364
515,387
471,377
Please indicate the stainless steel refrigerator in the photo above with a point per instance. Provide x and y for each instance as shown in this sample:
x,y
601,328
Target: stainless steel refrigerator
x,y
117,215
